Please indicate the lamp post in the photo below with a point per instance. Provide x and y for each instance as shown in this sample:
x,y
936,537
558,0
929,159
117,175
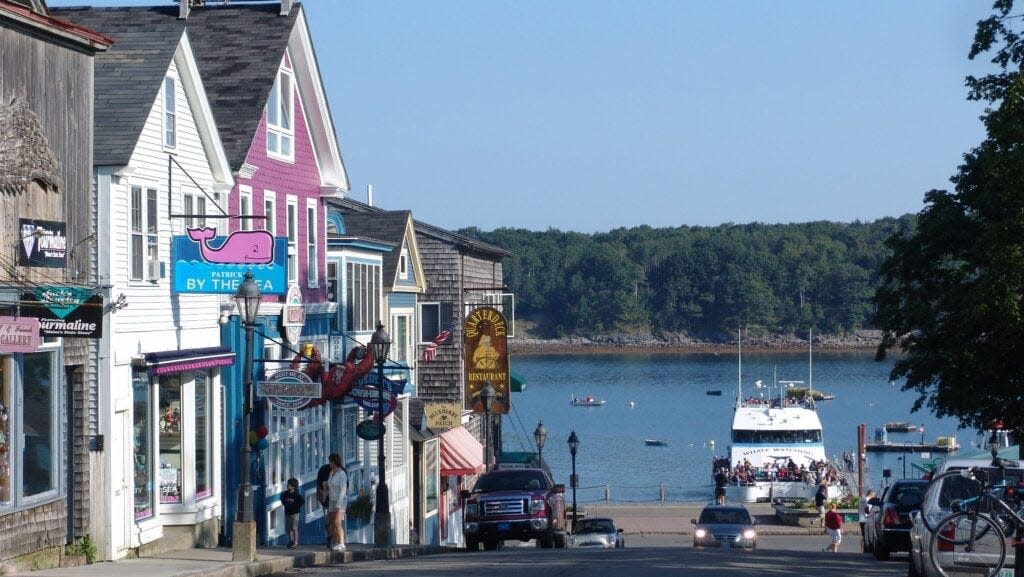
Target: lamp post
x,y
243,534
487,394
540,434
574,443
380,343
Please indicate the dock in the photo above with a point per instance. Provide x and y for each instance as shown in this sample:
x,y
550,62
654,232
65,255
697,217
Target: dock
x,y
910,447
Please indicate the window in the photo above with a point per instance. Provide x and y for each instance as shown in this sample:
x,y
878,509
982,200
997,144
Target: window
x,y
194,205
204,434
244,207
362,296
293,239
332,281
401,349
403,264
430,321
170,130
269,211
312,259
29,402
169,424
143,443
350,442
280,117
145,256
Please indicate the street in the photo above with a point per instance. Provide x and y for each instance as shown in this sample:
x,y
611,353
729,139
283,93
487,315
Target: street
x,y
780,556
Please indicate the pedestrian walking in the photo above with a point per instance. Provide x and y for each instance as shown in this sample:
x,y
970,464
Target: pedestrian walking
x,y
292,500
819,501
337,486
834,528
721,480
864,510
322,492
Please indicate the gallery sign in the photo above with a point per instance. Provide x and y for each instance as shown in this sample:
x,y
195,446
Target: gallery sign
x,y
65,311
202,262
486,358
19,334
44,243
289,390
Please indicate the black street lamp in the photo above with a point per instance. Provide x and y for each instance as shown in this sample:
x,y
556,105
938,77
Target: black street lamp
x,y
380,344
243,537
487,394
574,443
540,434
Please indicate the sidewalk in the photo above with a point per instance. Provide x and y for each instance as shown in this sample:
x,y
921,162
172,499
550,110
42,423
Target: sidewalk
x,y
632,518
217,562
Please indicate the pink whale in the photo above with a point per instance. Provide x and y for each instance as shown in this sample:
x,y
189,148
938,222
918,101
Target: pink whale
x,y
240,247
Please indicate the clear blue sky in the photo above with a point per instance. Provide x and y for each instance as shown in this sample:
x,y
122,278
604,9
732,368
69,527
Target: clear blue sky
x,y
598,114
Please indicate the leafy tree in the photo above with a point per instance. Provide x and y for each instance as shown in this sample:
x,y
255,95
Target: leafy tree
x,y
952,292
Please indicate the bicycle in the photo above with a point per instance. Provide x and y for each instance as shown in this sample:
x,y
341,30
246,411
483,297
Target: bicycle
x,y
972,539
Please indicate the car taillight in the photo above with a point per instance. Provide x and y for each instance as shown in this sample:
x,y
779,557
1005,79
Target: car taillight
x,y
949,532
537,505
891,517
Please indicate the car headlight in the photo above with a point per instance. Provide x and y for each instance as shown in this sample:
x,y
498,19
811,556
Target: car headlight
x,y
749,534
472,509
700,533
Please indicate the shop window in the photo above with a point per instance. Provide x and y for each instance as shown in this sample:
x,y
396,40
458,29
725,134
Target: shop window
x,y
5,431
204,446
350,442
169,423
39,422
142,432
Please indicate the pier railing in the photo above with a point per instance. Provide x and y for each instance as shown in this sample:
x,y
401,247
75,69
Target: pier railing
x,y
654,493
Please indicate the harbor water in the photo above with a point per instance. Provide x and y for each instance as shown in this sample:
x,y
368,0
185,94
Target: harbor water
x,y
664,396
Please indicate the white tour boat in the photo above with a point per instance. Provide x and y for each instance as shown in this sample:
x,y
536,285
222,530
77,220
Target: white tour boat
x,y
775,431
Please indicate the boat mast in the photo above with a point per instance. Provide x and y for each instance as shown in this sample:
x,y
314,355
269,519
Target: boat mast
x,y
810,364
739,365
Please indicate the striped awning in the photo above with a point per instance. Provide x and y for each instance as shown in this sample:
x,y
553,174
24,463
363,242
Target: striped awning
x,y
165,362
461,453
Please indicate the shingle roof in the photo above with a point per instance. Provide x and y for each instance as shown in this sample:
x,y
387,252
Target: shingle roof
x,y
387,226
129,75
349,206
238,47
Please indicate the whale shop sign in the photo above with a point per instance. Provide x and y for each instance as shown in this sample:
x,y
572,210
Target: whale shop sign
x,y
289,390
205,263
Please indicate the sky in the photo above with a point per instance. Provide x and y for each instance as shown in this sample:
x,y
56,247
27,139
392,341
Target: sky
x,y
591,115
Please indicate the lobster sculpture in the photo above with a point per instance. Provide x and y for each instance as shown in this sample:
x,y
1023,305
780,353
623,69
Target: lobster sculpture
x,y
340,378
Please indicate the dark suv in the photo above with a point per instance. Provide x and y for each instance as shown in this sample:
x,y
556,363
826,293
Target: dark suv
x,y
519,504
887,528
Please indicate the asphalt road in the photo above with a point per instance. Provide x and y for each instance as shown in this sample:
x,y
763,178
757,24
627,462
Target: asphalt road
x,y
654,556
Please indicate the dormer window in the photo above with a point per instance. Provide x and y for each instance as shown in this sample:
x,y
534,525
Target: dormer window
x,y
281,117
170,128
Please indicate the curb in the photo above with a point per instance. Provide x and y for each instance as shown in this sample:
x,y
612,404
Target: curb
x,y
316,558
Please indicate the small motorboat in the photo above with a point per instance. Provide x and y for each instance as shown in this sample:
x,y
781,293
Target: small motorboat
x,y
655,443
715,392
586,402
900,427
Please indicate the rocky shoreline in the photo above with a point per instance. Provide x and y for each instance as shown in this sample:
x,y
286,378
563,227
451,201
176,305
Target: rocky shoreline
x,y
864,340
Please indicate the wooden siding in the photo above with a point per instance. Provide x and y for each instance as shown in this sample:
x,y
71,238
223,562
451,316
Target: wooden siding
x,y
55,80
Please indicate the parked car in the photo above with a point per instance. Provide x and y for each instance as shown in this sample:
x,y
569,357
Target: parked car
x,y
724,526
521,504
887,527
597,532
936,506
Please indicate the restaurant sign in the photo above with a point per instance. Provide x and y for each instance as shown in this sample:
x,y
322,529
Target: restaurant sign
x,y
19,334
486,358
443,415
289,390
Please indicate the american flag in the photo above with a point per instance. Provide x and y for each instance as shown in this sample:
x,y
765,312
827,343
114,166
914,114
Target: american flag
x,y
431,351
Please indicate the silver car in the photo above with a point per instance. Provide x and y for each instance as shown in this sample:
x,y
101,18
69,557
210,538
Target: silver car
x,y
597,532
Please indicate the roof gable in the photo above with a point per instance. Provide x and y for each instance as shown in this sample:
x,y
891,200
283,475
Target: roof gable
x,y
394,227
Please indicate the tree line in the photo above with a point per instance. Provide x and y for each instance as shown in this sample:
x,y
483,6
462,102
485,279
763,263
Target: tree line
x,y
700,281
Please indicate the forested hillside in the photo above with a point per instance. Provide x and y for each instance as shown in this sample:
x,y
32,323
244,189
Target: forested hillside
x,y
701,281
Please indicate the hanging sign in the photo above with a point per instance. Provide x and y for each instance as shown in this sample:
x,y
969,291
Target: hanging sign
x,y
288,389
365,394
293,315
369,430
19,334
205,263
44,243
486,359
65,311
443,415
